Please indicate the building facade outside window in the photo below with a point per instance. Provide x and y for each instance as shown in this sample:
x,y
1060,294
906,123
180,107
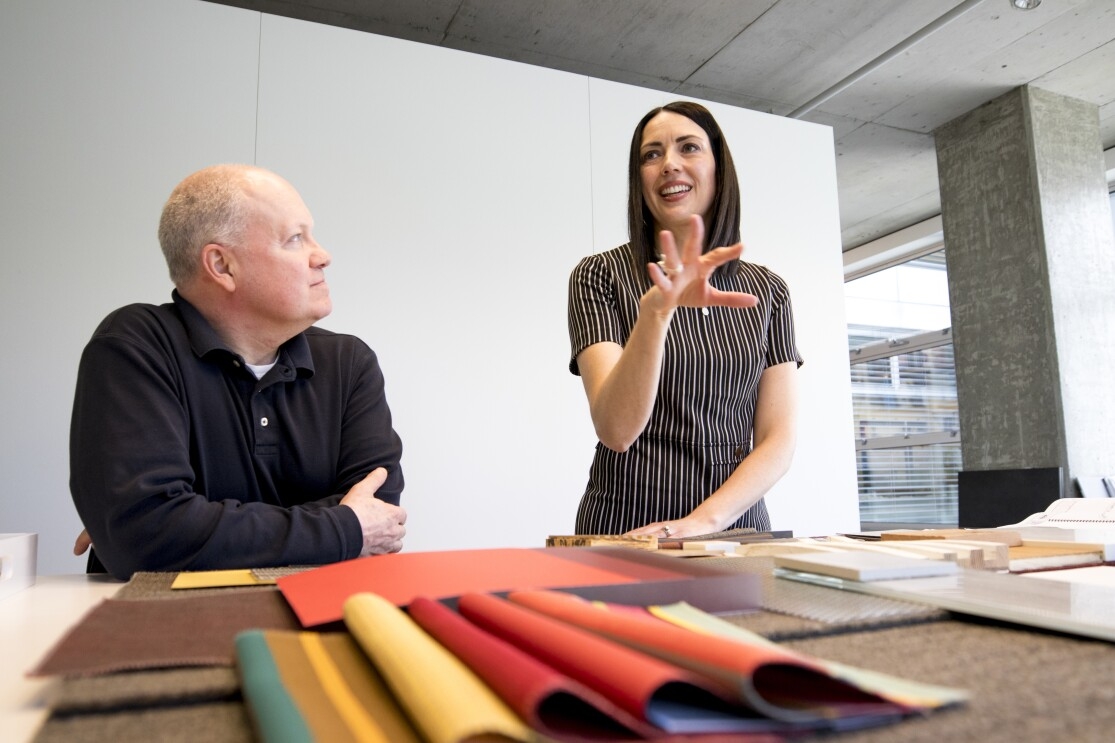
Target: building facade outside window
x,y
906,424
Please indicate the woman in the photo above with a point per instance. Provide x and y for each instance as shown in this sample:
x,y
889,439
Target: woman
x,y
687,354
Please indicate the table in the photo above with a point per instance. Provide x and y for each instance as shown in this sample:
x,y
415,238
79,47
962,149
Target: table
x,y
31,621
1026,685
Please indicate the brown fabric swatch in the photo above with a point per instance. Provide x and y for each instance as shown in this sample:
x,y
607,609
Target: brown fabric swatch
x,y
137,689
121,635
226,722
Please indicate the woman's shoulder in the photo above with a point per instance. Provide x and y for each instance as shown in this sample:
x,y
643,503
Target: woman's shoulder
x,y
759,272
621,254
609,261
757,279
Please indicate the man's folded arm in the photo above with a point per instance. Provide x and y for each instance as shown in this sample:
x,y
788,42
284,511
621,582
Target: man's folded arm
x,y
185,531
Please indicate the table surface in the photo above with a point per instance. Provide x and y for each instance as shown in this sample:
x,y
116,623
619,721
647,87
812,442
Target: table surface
x,y
1025,685
31,621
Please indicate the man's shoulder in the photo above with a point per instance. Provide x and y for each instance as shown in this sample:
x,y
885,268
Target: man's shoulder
x,y
138,318
334,353
330,336
138,331
324,339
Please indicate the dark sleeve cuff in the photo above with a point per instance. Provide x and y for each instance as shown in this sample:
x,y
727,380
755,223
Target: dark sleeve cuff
x,y
352,533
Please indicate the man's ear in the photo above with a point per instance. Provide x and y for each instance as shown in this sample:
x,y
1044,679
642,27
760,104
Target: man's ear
x,y
217,266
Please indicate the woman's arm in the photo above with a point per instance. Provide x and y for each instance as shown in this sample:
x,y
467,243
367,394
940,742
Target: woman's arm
x,y
621,382
775,438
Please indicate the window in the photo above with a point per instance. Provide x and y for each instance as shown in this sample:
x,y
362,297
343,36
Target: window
x,y
905,419
906,424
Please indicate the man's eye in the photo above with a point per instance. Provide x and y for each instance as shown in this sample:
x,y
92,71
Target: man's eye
x,y
295,239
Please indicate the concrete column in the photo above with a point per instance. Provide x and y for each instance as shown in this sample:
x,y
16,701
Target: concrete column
x,y
1031,263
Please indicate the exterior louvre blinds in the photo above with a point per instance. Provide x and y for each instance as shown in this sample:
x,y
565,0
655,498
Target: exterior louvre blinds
x,y
906,425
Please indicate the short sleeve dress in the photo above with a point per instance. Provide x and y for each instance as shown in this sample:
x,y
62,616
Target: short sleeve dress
x,y
701,426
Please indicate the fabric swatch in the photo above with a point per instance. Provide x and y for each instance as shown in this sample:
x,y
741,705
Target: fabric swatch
x,y
306,686
902,691
446,700
651,690
544,698
769,679
125,635
617,574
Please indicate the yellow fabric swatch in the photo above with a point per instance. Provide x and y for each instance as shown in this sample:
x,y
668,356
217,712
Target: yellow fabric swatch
x,y
218,579
444,698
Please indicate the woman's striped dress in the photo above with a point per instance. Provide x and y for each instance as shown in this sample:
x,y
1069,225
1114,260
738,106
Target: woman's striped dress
x,y
700,427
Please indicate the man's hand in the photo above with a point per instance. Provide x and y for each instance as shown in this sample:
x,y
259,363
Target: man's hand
x,y
381,522
82,543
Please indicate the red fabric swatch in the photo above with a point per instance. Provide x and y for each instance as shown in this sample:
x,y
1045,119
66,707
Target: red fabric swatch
x,y
644,687
772,680
545,699
317,596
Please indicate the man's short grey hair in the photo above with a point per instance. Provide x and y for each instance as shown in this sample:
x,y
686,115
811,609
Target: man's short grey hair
x,y
209,206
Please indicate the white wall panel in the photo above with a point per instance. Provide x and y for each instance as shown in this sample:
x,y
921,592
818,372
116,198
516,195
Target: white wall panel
x,y
106,105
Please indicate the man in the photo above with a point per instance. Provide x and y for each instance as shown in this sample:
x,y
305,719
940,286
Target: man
x,y
222,430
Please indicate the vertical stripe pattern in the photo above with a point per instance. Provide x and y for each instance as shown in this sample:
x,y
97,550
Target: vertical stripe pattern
x,y
701,425
359,723
302,687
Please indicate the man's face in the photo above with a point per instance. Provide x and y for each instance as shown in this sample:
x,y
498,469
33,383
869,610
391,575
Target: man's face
x,y
280,271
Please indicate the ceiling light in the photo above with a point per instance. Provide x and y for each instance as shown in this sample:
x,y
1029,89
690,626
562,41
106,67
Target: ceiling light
x,y
1025,4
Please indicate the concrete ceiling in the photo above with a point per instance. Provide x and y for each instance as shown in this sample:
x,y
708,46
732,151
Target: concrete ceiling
x,y
882,73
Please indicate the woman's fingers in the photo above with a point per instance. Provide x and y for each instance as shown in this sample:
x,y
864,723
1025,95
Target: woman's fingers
x,y
683,279
720,256
695,242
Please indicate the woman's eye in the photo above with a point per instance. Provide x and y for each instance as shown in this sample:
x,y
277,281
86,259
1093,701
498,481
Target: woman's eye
x,y
690,147
650,155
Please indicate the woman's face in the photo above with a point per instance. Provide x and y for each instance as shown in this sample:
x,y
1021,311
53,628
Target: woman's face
x,y
678,170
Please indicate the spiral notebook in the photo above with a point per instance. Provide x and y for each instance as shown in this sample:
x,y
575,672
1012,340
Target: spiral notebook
x,y
1073,513
1076,520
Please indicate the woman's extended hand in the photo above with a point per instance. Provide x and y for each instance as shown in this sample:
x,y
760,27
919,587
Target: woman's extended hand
x,y
682,277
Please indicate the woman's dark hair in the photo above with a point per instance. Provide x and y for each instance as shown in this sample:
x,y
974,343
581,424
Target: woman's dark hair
x,y
724,210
